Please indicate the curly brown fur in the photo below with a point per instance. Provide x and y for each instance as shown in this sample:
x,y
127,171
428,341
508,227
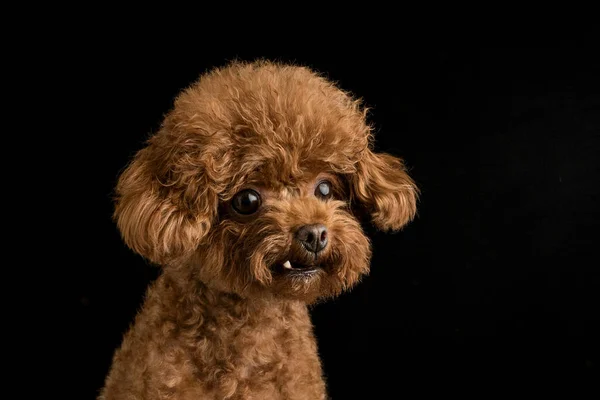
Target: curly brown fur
x,y
227,319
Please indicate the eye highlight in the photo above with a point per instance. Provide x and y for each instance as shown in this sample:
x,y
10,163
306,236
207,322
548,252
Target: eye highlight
x,y
246,202
323,190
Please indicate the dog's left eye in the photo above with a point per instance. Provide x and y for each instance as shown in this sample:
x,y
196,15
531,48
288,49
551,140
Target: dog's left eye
x,y
323,190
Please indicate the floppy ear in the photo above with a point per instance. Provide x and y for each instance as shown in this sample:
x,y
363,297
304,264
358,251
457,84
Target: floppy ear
x,y
165,204
385,190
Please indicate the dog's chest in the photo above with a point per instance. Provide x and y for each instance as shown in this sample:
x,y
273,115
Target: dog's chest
x,y
269,355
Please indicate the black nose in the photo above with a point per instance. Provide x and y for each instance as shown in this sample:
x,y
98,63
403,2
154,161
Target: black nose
x,y
313,237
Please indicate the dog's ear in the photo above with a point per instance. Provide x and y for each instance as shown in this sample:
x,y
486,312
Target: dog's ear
x,y
166,202
382,186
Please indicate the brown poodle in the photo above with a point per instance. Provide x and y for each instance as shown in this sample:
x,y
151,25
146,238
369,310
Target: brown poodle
x,y
249,197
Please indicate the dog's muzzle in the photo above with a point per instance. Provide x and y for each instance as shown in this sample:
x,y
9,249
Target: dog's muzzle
x,y
306,254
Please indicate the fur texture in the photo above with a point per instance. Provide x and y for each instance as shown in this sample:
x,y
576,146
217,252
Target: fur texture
x,y
226,319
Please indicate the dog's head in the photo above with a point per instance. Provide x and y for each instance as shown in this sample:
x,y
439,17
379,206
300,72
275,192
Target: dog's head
x,y
255,182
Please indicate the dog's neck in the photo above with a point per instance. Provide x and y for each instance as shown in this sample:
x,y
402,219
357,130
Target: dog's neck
x,y
194,298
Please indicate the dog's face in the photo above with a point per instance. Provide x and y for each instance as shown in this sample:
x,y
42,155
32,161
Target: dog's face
x,y
255,182
295,239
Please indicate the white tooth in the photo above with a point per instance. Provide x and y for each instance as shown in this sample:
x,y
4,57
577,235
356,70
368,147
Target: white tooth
x,y
287,265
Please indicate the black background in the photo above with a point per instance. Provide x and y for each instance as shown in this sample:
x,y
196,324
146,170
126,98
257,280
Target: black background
x,y
496,278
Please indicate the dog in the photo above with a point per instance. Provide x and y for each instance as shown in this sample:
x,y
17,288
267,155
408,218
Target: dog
x,y
250,197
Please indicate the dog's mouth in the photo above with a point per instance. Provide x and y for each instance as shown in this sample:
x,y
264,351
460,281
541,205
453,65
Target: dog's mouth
x,y
297,268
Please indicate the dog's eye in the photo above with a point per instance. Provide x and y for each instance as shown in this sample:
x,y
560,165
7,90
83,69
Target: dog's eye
x,y
323,190
246,202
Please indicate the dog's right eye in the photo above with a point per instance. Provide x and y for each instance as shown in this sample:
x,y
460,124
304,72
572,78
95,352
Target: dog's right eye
x,y
246,202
